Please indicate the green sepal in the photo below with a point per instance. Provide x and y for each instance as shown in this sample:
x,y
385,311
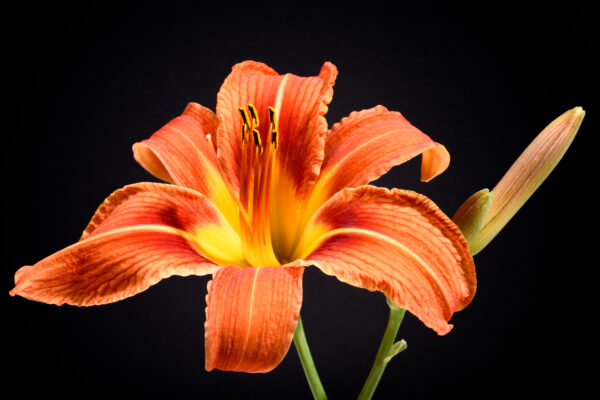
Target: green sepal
x,y
471,215
397,348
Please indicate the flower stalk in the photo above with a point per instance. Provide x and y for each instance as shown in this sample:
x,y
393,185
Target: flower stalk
x,y
387,350
314,382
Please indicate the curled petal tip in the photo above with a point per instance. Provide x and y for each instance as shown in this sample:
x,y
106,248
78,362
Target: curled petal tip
x,y
435,161
528,172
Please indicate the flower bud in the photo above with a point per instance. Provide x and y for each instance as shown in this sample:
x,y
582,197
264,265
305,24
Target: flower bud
x,y
471,215
528,173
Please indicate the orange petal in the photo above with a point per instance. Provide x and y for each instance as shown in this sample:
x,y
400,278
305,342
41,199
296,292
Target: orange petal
x,y
397,242
235,93
366,144
206,118
435,161
300,104
180,152
111,266
171,206
251,316
140,234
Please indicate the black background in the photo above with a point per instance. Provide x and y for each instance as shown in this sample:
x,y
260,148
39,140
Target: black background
x,y
85,83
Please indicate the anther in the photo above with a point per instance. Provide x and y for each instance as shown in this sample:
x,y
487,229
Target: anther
x,y
272,118
245,124
275,139
254,115
257,142
244,115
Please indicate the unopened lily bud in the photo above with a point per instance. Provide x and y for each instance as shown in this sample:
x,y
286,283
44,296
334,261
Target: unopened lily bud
x,y
471,215
528,173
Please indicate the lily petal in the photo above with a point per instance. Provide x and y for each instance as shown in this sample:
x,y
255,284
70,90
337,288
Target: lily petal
x,y
181,153
300,104
140,234
111,266
206,118
365,145
397,242
235,93
173,206
251,316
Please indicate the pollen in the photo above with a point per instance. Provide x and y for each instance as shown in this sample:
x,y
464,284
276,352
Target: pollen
x,y
254,115
257,142
273,127
245,123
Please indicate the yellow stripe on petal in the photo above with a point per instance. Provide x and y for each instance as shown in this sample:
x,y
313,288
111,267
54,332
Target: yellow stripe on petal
x,y
110,266
527,173
181,153
221,244
364,146
199,220
397,242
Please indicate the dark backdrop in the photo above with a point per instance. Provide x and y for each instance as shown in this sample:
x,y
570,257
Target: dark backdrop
x,y
86,83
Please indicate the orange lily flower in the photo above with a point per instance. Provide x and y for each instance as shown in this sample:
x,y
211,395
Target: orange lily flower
x,y
260,190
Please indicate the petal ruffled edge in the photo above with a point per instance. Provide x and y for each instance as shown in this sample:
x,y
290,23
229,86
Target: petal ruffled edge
x,y
139,235
174,206
397,242
182,153
300,104
111,266
251,316
206,118
364,146
233,94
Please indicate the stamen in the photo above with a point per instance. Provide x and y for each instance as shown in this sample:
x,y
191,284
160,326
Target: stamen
x,y
244,115
254,115
245,125
272,121
257,142
273,127
256,186
243,134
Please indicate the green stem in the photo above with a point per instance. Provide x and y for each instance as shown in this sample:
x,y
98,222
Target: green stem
x,y
316,387
384,353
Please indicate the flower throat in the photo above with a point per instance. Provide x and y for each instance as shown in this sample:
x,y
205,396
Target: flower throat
x,y
256,186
